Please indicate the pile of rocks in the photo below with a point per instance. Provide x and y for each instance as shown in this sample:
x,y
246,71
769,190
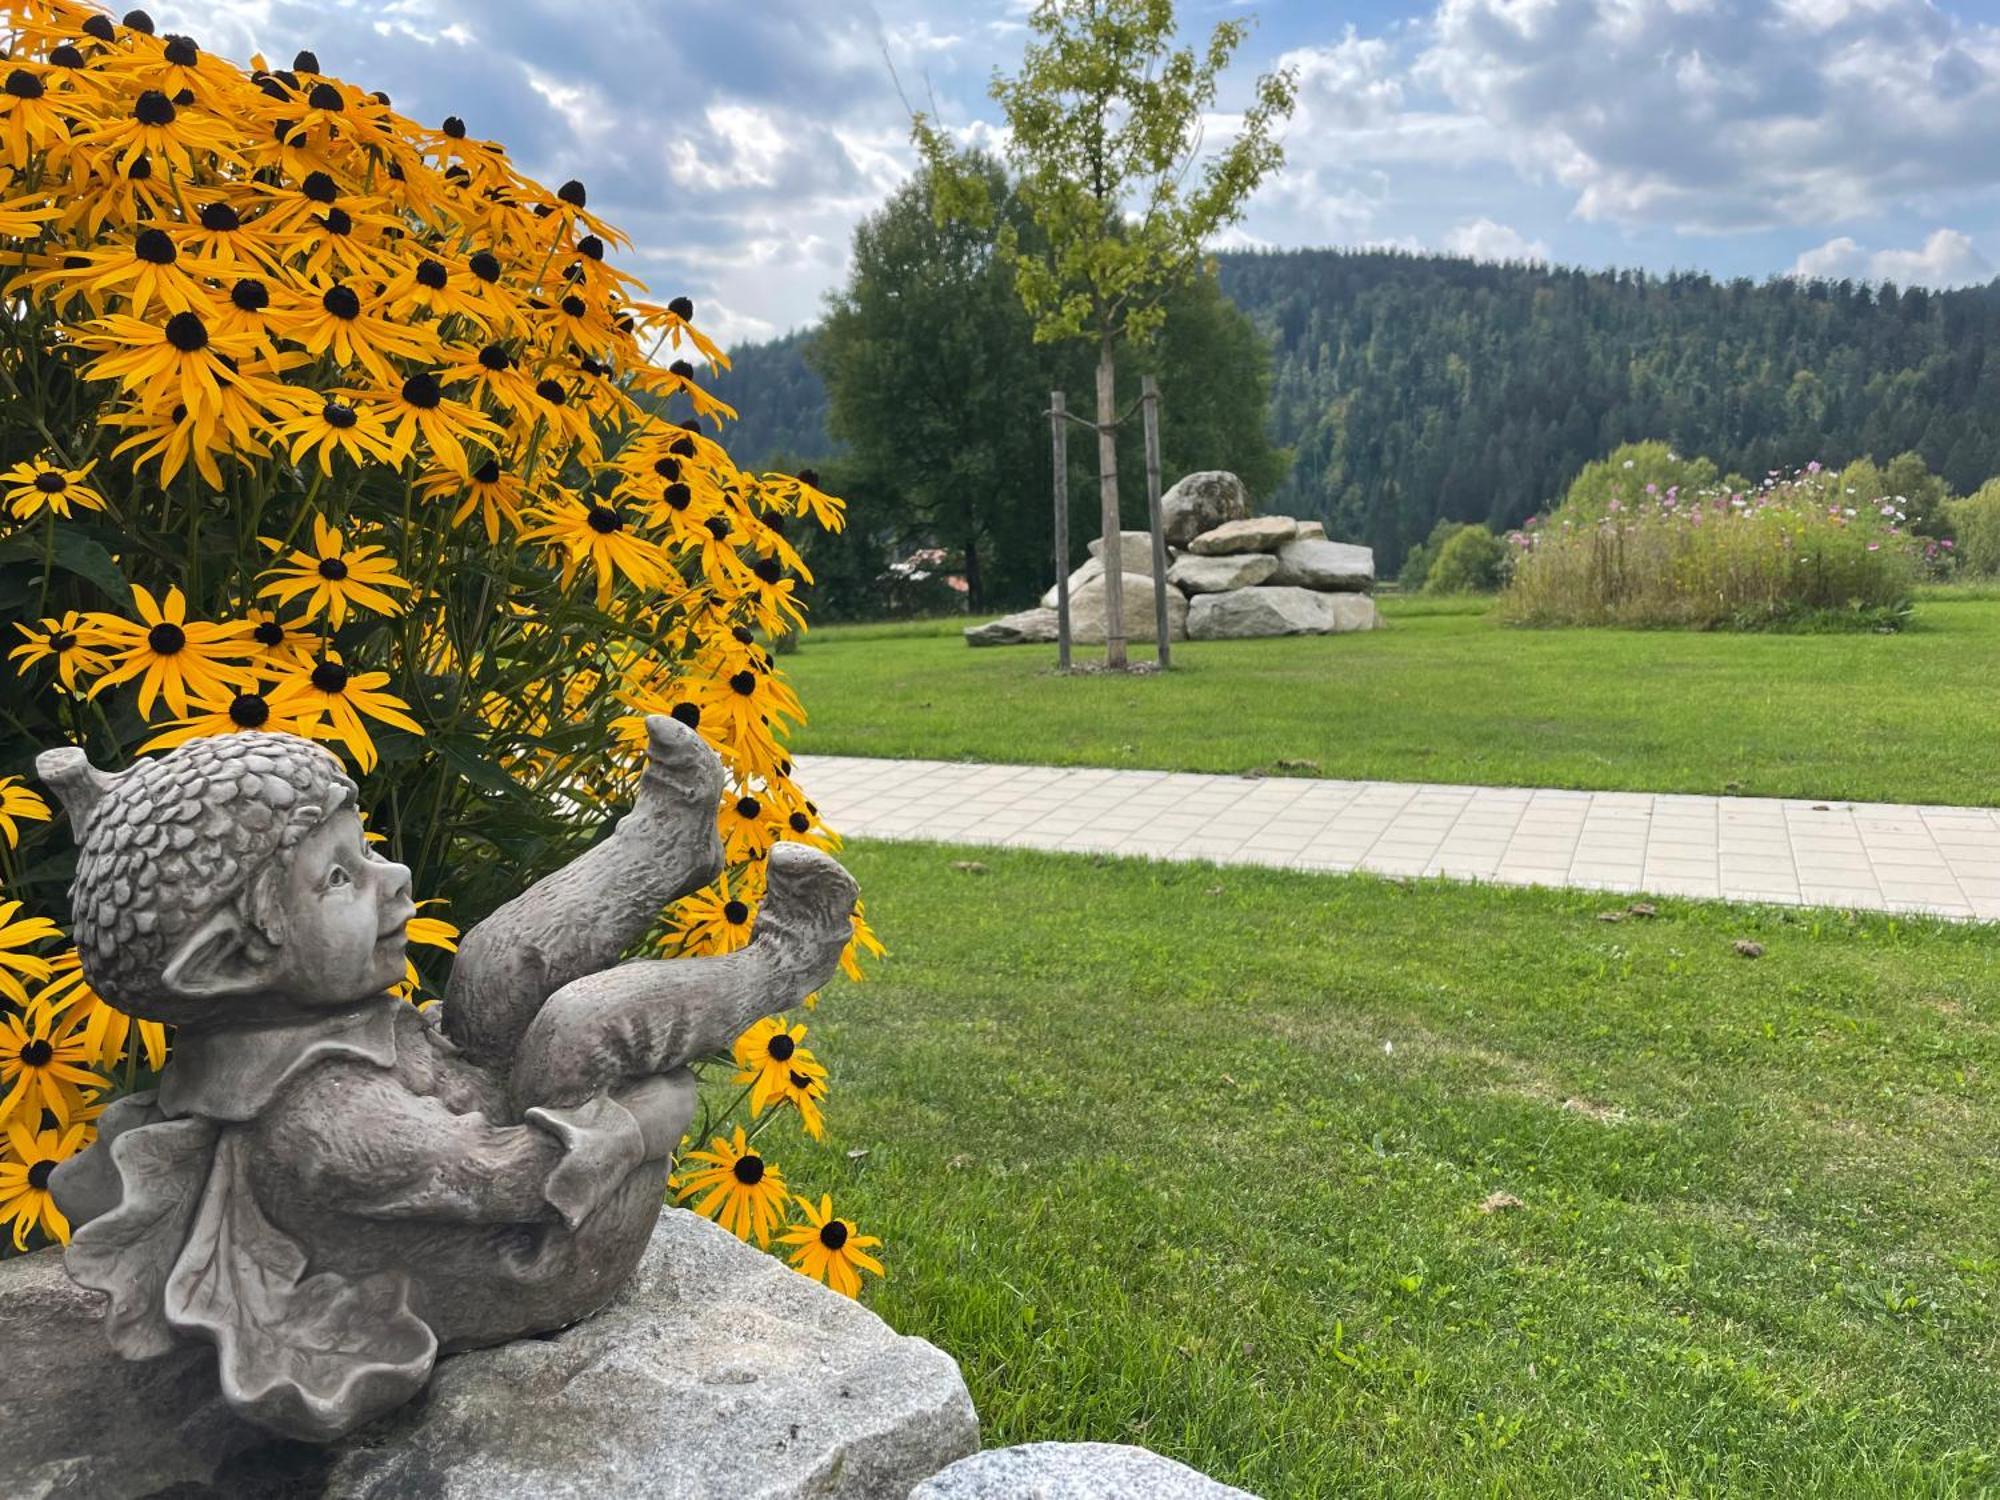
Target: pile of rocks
x,y
1229,575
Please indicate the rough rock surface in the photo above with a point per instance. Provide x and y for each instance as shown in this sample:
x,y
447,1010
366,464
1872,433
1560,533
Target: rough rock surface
x,y
1072,1471
1136,547
1201,502
1218,575
1312,531
1251,534
717,1372
1086,611
1029,627
1138,560
1277,611
1332,566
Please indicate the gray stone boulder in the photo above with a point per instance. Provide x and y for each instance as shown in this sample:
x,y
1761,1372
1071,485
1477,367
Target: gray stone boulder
x,y
1218,575
1136,547
1277,611
1312,531
1073,1471
1201,502
1029,627
1335,567
1137,560
1251,534
1086,611
716,1372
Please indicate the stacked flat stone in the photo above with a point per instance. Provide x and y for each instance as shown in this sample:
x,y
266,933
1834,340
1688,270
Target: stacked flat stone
x,y
1231,575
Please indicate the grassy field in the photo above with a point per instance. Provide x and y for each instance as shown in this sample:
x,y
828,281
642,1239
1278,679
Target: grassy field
x,y
1222,1186
1445,694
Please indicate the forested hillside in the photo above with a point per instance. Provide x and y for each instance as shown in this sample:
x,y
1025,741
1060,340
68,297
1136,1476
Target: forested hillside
x,y
1416,387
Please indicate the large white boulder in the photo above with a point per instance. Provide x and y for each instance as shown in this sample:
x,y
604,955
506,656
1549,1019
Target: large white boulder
x,y
1136,547
1029,627
1201,502
1251,534
1218,575
1086,611
716,1372
1335,567
1138,559
1073,1471
1277,611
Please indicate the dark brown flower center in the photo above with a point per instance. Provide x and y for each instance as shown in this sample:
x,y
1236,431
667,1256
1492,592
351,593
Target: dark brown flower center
x,y
749,1169
330,677
782,1047
249,711
604,520
39,1175
735,913
187,333
332,569
166,639
50,483
833,1234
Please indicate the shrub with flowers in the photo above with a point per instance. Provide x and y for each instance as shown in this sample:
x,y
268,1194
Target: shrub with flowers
x,y
1794,551
320,419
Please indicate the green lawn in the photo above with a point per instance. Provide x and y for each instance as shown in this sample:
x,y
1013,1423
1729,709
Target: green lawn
x,y
1447,694
1196,1158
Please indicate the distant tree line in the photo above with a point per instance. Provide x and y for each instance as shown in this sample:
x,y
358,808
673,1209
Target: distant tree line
x,y
1413,389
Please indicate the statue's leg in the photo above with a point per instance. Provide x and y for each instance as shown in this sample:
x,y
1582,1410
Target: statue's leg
x,y
581,918
651,1016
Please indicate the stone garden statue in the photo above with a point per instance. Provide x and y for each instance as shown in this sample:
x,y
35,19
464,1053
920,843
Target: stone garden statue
x,y
328,1187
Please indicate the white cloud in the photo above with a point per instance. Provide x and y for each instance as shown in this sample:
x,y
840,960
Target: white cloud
x,y
1727,114
1483,239
1948,258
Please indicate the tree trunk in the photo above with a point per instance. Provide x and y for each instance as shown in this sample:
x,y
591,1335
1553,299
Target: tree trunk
x,y
1107,490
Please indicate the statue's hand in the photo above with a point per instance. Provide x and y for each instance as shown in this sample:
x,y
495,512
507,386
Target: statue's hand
x,y
681,770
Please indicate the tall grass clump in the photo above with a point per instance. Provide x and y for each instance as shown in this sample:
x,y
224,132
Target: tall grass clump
x,y
1792,553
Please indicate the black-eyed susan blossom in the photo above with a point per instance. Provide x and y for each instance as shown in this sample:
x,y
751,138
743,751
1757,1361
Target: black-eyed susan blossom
x,y
778,1068
337,575
28,1159
64,642
734,1185
332,701
168,654
42,484
830,1249
44,1065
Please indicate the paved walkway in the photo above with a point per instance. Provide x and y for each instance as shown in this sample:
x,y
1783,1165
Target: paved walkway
x,y
1881,857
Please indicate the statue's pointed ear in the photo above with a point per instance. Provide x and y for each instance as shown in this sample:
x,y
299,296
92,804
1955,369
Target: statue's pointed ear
x,y
219,960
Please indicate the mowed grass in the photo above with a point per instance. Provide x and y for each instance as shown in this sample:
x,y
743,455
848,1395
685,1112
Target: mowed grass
x,y
1447,694
1196,1159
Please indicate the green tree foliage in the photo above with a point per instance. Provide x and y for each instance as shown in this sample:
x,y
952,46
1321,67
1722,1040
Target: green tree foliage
x,y
1633,470
937,394
1975,530
1472,561
1105,124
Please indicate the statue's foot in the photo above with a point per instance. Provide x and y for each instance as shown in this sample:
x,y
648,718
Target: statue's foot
x,y
681,769
807,917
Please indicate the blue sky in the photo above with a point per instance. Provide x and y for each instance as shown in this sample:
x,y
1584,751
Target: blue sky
x,y
738,141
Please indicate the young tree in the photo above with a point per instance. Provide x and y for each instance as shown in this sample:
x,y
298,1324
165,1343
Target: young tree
x,y
1105,138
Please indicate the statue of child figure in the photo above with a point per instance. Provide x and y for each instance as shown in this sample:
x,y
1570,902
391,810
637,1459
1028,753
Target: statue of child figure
x,y
328,1187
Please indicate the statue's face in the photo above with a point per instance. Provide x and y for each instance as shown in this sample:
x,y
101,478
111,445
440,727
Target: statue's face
x,y
347,912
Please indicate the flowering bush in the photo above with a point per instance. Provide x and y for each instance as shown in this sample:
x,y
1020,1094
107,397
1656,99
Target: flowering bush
x,y
1793,550
323,420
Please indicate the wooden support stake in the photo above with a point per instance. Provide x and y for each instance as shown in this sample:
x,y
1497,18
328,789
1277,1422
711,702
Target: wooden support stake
x,y
1150,394
1059,431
